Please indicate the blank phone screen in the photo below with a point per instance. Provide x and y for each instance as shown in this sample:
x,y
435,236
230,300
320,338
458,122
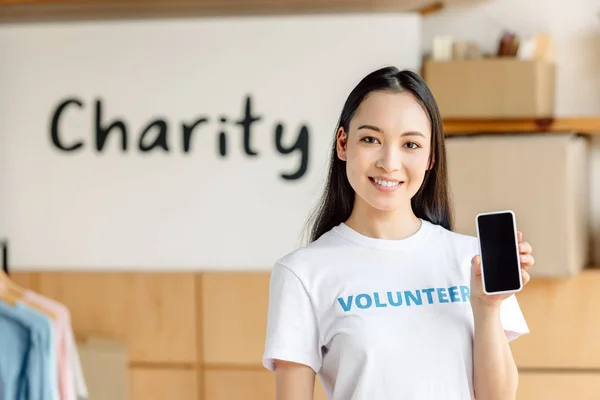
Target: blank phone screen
x,y
500,262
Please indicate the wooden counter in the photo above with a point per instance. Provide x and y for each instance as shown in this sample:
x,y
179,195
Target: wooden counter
x,y
587,125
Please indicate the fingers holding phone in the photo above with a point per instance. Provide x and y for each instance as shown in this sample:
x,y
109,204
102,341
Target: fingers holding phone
x,y
527,260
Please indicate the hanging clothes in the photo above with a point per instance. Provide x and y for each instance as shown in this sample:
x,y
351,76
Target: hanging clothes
x,y
39,354
71,383
63,362
80,385
14,347
31,332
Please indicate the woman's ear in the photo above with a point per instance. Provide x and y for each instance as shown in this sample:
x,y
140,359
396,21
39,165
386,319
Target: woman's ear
x,y
341,141
431,163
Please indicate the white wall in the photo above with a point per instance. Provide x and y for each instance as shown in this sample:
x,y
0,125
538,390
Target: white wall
x,y
176,210
575,27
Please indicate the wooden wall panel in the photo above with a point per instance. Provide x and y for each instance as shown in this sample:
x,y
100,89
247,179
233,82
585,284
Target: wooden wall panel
x,y
164,384
234,317
27,280
250,384
201,335
559,386
563,320
221,384
154,313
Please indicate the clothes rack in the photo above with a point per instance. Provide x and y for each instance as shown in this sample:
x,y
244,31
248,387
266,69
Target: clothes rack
x,y
5,256
39,351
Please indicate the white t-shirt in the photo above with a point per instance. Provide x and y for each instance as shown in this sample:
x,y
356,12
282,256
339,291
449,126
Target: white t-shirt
x,y
380,319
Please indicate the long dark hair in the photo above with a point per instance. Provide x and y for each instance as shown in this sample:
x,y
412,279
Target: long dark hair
x,y
432,200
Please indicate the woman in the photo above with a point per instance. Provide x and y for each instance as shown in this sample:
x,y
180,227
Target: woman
x,y
386,302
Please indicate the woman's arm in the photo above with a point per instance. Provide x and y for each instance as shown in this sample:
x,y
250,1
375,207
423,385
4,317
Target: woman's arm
x,y
495,375
294,381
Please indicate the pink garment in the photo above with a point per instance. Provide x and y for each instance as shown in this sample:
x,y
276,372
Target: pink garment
x,y
66,383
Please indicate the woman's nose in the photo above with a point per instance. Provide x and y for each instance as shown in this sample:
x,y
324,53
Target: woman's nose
x,y
390,158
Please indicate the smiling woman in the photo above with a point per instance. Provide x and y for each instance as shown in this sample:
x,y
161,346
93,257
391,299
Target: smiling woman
x,y
383,302
390,130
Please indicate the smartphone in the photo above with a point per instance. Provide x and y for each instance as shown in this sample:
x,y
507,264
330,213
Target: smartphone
x,y
499,251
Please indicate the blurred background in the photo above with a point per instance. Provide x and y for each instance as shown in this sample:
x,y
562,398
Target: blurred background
x,y
157,157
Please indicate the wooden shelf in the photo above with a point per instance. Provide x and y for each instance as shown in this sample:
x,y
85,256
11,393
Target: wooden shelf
x,y
53,10
587,125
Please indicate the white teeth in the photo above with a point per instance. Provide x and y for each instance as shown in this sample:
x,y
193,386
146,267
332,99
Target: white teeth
x,y
385,183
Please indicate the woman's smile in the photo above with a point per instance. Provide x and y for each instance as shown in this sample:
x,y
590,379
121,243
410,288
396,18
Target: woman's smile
x,y
386,185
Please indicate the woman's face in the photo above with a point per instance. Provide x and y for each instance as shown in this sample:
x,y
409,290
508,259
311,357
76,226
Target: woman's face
x,y
386,149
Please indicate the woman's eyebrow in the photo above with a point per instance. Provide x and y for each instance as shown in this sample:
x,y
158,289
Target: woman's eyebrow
x,y
371,127
377,129
412,133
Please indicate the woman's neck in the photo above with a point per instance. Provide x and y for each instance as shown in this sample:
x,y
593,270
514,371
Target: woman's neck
x,y
378,224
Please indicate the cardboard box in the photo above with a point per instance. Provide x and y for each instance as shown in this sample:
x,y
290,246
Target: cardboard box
x,y
105,366
492,88
543,178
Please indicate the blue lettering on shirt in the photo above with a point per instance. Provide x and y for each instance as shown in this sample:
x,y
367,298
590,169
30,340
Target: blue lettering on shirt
x,y
413,298
394,302
363,304
377,302
453,294
346,305
442,295
409,298
429,292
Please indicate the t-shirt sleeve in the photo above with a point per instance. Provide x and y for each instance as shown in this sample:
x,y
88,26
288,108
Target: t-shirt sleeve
x,y
292,331
512,318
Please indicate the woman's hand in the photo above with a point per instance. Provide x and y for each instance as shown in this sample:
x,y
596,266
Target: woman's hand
x,y
495,300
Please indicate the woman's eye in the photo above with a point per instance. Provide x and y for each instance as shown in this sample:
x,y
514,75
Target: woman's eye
x,y
412,145
370,139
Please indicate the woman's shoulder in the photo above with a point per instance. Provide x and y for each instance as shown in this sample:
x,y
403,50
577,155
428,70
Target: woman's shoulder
x,y
313,254
459,241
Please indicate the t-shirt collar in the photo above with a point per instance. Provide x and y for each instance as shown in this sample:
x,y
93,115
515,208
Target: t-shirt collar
x,y
385,244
